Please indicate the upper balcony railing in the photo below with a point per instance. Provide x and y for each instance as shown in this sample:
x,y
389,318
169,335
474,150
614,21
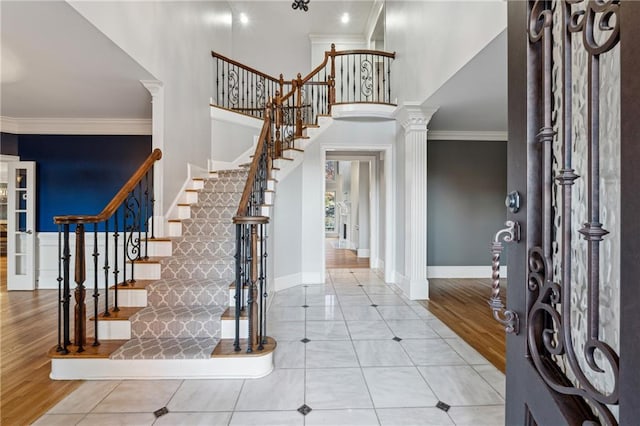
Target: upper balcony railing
x,y
343,77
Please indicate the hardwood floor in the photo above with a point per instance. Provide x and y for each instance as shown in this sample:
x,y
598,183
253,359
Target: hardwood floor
x,y
462,305
337,258
28,331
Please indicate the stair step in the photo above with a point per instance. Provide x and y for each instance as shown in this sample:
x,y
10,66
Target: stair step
x,y
168,348
219,198
178,292
205,245
176,322
104,350
122,315
224,185
225,348
206,212
192,267
217,227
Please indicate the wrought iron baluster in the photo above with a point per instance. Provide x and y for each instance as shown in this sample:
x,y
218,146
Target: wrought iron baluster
x,y
66,296
106,269
96,294
124,245
146,216
153,201
116,272
60,282
238,296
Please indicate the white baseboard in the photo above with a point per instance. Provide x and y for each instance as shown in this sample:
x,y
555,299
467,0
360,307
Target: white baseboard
x,y
287,281
312,278
363,253
463,272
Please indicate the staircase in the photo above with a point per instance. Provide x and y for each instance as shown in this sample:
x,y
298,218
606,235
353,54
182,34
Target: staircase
x,y
176,316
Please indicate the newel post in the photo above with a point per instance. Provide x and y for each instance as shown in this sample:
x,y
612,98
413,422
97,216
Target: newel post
x,y
80,335
298,84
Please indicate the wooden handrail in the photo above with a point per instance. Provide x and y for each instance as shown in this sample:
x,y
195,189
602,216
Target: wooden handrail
x,y
255,163
248,68
365,52
118,199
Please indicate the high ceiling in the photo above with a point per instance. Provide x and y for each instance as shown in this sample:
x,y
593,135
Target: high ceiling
x,y
56,64
475,98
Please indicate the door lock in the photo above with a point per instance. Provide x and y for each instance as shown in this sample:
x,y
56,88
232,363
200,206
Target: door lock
x,y
513,201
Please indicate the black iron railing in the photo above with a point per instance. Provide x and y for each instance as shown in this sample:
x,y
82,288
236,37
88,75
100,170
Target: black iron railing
x,y
128,222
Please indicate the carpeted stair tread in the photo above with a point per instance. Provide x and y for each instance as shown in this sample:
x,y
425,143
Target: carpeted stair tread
x,y
169,348
180,292
193,260
177,322
203,245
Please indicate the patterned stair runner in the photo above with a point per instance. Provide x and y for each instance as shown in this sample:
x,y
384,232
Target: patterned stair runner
x,y
182,317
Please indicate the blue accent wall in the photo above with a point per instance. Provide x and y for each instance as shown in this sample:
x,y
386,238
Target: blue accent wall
x,y
79,174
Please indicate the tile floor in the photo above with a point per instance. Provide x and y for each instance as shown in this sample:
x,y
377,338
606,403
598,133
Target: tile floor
x,y
373,358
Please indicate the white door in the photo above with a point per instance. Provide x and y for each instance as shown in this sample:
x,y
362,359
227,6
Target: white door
x,y
21,216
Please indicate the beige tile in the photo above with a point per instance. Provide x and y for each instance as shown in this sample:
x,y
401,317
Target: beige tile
x,y
85,398
460,385
59,420
206,395
138,396
118,419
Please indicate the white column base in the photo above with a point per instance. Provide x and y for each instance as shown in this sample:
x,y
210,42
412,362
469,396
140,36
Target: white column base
x,y
419,289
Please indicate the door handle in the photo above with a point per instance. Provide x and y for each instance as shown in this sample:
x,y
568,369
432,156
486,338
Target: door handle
x,y
29,231
509,319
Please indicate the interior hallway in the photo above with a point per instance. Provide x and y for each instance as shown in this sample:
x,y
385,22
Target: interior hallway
x,y
353,350
340,257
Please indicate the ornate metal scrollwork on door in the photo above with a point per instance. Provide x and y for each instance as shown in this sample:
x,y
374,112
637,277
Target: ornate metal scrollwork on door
x,y
593,26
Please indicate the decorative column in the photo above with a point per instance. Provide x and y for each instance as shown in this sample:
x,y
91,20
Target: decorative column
x,y
156,89
414,120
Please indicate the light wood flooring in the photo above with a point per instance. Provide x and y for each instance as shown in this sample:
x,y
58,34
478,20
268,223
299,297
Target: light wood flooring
x,y
462,305
336,258
28,331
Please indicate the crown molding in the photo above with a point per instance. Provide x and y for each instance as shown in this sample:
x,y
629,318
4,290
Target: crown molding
x,y
455,135
413,117
8,125
76,126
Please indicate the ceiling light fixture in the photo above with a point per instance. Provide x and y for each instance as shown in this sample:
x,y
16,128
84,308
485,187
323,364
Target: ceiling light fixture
x,y
345,18
300,4
244,19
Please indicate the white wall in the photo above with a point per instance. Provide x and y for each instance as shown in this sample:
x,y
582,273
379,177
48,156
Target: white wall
x,y
434,39
172,40
230,140
287,228
352,135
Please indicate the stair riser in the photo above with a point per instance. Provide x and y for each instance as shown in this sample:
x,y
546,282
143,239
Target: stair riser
x,y
224,185
198,212
179,328
199,271
146,271
217,229
114,330
228,330
159,248
187,297
184,212
223,248
220,198
130,298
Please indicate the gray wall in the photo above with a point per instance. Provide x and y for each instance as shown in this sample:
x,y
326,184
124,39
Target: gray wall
x,y
466,188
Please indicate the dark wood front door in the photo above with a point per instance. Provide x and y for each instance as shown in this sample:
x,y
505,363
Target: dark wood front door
x,y
574,157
